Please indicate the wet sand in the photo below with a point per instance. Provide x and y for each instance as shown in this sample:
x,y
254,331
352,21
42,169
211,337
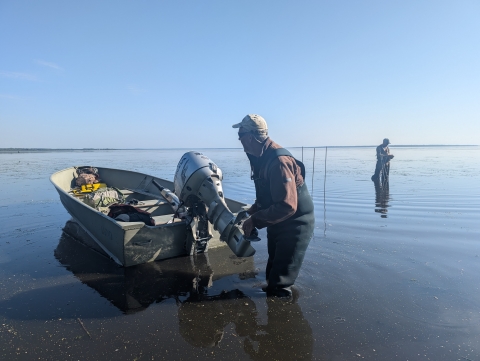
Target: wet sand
x,y
392,273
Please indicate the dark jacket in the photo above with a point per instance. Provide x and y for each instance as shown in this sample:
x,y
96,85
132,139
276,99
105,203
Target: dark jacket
x,y
383,153
281,176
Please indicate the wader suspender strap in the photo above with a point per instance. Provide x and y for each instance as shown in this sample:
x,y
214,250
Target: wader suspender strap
x,y
262,188
256,166
283,151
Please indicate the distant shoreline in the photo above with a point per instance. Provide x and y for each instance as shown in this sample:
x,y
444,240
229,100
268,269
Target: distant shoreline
x,y
48,150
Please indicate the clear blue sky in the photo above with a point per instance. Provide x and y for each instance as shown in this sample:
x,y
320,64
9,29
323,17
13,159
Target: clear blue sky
x,y
158,74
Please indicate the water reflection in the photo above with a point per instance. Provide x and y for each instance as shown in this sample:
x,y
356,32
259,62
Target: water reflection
x,y
285,336
203,314
133,289
203,318
382,196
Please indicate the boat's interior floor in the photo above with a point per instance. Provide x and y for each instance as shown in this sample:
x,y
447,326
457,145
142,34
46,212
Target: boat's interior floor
x,y
159,209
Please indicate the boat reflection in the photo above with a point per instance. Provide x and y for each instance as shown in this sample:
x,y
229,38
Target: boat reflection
x,y
203,316
133,289
382,197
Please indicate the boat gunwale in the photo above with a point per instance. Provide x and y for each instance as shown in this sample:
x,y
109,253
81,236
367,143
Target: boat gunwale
x,y
123,225
63,181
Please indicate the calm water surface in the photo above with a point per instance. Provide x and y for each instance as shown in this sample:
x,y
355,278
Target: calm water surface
x,y
391,274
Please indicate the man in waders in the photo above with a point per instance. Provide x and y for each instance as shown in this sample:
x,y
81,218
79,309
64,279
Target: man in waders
x,y
283,204
383,161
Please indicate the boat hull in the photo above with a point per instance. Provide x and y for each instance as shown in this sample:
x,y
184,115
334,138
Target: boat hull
x,y
132,243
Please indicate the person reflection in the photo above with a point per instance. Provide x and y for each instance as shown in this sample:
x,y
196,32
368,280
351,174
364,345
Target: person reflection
x,y
382,196
202,318
286,336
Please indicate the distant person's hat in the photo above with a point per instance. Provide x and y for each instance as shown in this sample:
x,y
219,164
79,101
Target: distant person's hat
x,y
253,122
386,140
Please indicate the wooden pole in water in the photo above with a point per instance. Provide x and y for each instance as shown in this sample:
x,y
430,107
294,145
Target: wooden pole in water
x,y
324,204
313,171
325,176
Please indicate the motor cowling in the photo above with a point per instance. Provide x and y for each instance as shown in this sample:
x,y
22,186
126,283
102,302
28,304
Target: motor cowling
x,y
198,178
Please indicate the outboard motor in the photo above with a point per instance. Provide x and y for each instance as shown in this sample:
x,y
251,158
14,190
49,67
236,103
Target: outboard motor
x,y
198,183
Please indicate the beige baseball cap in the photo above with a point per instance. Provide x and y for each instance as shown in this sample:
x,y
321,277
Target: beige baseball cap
x,y
253,122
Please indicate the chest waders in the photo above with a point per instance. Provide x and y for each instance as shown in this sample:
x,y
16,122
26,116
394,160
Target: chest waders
x,y
289,239
382,167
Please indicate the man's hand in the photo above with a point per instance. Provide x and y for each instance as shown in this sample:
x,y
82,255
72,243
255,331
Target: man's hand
x,y
247,227
241,216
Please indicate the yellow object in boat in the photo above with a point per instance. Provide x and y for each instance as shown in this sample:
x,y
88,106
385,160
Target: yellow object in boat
x,y
87,188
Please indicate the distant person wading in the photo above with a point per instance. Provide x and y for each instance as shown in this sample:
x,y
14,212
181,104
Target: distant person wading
x,y
283,204
382,167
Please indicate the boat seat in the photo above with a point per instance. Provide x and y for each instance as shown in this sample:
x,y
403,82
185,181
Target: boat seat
x,y
150,203
157,202
126,192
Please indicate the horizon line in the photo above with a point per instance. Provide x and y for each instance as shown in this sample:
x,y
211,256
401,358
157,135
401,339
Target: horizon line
x,y
182,148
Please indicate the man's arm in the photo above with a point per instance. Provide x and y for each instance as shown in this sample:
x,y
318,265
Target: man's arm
x,y
384,153
253,209
283,192
390,156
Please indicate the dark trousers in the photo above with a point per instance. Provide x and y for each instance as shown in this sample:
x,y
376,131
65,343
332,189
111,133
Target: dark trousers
x,y
381,168
287,242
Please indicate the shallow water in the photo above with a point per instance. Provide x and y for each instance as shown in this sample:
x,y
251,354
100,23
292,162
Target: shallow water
x,y
392,273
